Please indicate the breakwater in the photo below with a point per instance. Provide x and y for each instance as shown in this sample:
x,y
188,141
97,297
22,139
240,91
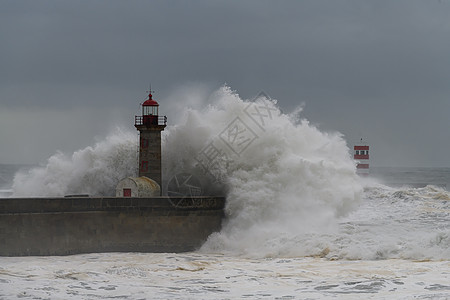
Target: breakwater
x,y
72,225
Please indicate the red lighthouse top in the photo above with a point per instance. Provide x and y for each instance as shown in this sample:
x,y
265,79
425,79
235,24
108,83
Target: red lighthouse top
x,y
150,101
149,115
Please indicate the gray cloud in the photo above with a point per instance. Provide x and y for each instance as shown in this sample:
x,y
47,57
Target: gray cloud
x,y
373,68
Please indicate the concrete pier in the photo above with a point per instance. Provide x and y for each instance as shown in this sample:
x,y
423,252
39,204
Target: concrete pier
x,y
72,225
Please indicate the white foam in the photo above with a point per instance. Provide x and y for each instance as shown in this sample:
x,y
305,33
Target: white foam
x,y
291,189
93,170
191,275
283,177
397,223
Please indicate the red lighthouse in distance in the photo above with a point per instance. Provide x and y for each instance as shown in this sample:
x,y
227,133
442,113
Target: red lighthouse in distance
x,y
361,156
150,125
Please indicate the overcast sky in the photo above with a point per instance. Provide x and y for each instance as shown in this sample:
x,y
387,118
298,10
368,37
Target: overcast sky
x,y
71,71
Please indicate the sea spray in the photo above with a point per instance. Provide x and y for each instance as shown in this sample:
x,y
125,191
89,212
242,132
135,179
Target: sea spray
x,y
92,170
283,178
405,223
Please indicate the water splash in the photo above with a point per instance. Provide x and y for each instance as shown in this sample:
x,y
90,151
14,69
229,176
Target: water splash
x,y
92,170
282,176
284,179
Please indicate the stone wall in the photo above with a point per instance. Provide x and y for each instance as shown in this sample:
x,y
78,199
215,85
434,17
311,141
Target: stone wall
x,y
62,226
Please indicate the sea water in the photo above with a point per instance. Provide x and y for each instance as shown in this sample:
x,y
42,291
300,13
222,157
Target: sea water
x,y
300,223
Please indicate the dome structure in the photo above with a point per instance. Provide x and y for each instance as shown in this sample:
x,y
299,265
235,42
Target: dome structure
x,y
150,101
138,187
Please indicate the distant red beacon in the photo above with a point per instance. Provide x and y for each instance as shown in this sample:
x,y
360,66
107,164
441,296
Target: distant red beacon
x,y
361,156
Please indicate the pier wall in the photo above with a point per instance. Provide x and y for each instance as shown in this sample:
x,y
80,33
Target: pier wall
x,y
63,226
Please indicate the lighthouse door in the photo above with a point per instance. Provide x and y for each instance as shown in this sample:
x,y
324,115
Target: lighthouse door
x,y
127,192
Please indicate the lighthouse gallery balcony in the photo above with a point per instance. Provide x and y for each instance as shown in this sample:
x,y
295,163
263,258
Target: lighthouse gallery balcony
x,y
150,120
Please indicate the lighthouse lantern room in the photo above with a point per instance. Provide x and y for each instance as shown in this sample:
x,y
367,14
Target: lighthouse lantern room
x,y
150,125
149,111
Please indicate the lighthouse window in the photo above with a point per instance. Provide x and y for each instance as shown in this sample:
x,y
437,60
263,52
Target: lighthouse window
x,y
144,166
150,110
361,152
144,143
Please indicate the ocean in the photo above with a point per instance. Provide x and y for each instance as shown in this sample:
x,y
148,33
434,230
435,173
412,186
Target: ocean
x,y
300,223
395,245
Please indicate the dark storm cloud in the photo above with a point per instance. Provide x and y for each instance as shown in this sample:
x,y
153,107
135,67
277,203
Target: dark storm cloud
x,y
372,68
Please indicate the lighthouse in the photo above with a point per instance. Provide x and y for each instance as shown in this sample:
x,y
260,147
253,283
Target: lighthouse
x,y
150,124
361,156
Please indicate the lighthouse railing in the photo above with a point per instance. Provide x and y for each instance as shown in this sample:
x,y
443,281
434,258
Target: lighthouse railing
x,y
155,120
